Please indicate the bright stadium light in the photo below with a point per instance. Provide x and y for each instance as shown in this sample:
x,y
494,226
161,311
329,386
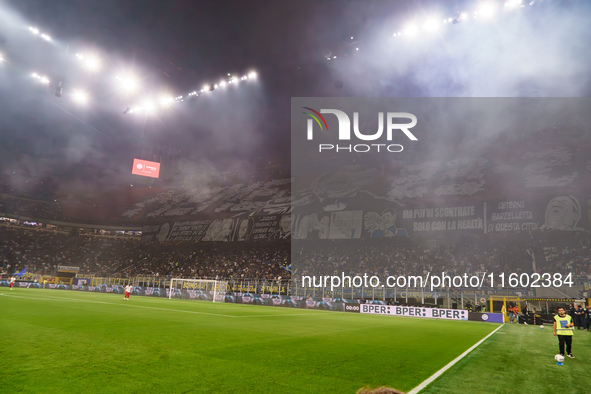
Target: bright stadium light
x,y
149,107
431,25
513,3
252,75
166,101
411,30
80,96
487,10
45,37
41,78
34,30
128,84
90,62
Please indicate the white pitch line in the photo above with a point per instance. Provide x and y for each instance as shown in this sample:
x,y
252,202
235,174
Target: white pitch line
x,y
451,364
50,298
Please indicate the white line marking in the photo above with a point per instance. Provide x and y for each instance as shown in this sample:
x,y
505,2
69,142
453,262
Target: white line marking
x,y
451,364
50,298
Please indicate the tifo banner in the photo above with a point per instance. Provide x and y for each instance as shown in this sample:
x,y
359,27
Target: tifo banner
x,y
189,231
453,180
454,314
146,168
248,228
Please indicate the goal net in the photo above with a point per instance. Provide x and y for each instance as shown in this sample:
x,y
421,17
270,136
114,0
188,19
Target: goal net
x,y
198,289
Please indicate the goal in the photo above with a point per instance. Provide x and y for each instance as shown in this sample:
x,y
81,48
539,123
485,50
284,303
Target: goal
x,y
200,289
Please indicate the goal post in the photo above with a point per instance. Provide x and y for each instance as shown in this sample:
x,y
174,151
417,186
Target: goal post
x,y
200,289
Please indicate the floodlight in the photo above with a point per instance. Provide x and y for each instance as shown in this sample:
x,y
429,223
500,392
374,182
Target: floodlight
x,y
461,17
487,10
91,63
34,30
166,101
44,80
252,75
223,84
45,37
431,25
128,83
148,107
411,30
80,96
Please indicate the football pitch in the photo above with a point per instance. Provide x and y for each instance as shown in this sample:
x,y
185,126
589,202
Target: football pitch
x,y
65,341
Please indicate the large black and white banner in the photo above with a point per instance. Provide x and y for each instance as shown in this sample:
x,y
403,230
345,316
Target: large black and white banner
x,y
459,185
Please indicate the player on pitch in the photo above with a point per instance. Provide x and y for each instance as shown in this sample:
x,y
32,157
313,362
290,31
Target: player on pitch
x,y
128,289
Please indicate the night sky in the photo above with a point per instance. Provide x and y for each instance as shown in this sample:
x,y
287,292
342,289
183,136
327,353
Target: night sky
x,y
54,148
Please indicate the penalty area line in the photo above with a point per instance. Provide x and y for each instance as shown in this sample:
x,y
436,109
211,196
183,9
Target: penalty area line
x,y
437,374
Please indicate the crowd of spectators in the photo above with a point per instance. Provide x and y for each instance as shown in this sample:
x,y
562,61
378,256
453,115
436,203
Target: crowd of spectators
x,y
42,250
542,252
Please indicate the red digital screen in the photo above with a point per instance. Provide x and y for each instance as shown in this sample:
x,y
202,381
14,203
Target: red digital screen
x,y
146,168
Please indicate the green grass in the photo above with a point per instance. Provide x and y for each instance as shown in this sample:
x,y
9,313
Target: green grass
x,y
520,359
65,341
